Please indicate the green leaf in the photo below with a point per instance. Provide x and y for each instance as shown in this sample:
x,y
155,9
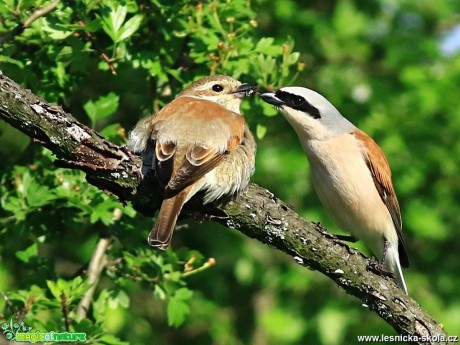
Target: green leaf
x,y
118,298
265,46
103,211
92,26
26,254
159,292
54,289
103,107
12,204
115,133
118,17
292,58
38,195
183,293
56,32
260,131
109,339
177,308
6,59
130,27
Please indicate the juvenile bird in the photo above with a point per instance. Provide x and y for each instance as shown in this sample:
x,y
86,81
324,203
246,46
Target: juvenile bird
x,y
197,142
350,174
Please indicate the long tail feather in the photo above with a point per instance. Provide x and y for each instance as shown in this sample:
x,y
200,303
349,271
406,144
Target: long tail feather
x,y
393,263
162,231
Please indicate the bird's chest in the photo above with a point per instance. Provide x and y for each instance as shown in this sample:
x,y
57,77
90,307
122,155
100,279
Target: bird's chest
x,y
342,179
338,162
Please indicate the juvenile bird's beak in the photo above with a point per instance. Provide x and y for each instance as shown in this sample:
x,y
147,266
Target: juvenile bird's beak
x,y
245,90
270,98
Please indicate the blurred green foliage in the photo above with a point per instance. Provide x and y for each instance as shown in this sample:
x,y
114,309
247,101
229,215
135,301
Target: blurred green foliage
x,y
111,62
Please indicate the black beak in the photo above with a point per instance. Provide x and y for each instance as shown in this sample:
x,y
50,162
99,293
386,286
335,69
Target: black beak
x,y
270,98
246,89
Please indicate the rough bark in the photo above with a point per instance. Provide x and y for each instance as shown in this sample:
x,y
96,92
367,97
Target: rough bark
x,y
256,212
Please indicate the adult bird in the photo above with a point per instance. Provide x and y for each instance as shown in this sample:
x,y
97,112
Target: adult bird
x,y
350,174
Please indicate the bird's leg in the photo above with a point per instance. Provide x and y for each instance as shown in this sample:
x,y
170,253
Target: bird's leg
x,y
380,267
206,212
385,249
346,238
213,213
375,266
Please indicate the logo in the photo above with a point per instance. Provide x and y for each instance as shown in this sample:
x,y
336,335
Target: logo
x,y
20,332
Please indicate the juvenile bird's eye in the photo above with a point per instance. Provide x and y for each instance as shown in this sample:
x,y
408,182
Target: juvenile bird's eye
x,y
217,88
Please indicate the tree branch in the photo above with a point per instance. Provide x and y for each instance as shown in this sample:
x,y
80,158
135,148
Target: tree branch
x,y
255,212
96,265
40,13
33,17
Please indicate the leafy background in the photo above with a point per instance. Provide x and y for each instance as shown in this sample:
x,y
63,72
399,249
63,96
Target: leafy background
x,y
384,63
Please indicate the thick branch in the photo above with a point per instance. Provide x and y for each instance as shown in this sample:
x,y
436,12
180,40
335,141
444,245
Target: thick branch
x,y
255,212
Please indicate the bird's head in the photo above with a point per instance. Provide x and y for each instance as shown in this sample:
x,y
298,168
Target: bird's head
x,y
308,112
220,89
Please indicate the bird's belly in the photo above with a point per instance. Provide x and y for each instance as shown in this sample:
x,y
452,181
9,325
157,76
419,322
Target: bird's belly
x,y
347,191
231,175
226,179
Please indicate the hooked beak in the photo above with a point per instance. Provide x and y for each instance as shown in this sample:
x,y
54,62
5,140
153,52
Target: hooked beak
x,y
245,90
270,98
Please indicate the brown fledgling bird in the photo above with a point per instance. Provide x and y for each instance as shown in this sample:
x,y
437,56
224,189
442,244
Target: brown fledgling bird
x,y
197,142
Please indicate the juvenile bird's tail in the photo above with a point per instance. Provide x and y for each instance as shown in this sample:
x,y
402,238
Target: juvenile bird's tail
x,y
162,231
393,264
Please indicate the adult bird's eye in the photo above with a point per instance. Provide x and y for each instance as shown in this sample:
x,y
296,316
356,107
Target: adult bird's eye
x,y
217,88
298,101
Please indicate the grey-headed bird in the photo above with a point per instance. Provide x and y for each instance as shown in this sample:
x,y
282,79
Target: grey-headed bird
x,y
350,174
199,142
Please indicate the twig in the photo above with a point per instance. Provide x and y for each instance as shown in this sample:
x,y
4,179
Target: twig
x,y
65,311
96,265
99,49
40,13
18,29
205,266
7,300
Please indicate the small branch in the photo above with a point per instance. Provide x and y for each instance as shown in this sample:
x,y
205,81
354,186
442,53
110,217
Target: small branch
x,y
190,271
7,300
18,29
65,312
96,265
40,13
99,49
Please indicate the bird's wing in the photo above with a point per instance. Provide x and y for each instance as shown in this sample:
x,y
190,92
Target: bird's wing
x,y
206,132
381,173
198,161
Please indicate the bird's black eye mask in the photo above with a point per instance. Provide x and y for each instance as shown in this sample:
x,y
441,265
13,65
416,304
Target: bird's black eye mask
x,y
298,103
